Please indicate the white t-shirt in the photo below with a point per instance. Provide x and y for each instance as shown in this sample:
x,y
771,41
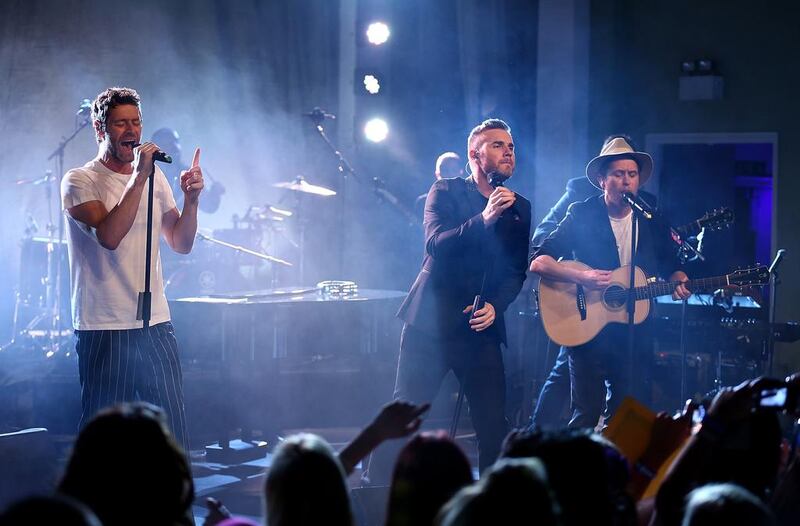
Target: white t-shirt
x,y
106,283
622,232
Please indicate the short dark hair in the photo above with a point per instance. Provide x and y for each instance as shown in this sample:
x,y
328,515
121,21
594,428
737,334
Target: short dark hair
x,y
488,124
109,99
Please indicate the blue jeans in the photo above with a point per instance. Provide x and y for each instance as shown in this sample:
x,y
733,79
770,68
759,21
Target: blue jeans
x,y
599,374
554,398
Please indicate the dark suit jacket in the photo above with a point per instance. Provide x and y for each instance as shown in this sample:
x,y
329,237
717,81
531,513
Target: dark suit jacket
x,y
585,235
459,249
578,189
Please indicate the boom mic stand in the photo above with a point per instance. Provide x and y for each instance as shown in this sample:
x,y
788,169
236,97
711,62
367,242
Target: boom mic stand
x,y
774,281
686,252
317,116
58,155
631,301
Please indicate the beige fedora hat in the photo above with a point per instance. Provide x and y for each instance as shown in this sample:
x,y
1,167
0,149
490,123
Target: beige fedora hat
x,y
619,147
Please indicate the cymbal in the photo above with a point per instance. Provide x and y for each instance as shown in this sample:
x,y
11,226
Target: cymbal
x,y
300,185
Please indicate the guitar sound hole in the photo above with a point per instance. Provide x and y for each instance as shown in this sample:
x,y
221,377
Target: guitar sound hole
x,y
614,296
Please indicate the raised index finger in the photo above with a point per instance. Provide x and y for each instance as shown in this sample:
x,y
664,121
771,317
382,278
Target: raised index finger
x,y
196,158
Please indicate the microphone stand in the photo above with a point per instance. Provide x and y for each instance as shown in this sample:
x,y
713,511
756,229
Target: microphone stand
x,y
144,302
58,154
631,303
345,168
774,281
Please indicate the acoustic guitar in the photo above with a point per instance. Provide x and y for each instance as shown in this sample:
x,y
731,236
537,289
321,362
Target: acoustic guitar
x,y
573,315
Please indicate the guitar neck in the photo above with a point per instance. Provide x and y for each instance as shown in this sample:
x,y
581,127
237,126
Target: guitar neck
x,y
664,288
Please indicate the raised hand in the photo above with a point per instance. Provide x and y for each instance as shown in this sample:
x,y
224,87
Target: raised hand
x,y
398,419
192,179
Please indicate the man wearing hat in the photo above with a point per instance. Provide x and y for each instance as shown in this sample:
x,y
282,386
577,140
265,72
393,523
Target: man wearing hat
x,y
597,232
550,410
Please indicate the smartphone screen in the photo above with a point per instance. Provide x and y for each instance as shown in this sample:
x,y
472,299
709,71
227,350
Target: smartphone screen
x,y
699,414
775,397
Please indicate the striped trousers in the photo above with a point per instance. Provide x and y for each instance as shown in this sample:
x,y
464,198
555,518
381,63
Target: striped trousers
x,y
128,365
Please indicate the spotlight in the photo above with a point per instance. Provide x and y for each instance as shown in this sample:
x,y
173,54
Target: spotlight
x,y
376,130
372,84
705,66
377,33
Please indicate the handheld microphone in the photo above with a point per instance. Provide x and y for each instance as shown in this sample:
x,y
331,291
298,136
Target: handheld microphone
x,y
637,204
157,156
496,179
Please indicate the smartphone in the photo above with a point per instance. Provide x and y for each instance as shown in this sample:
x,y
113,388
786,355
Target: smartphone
x,y
699,414
774,398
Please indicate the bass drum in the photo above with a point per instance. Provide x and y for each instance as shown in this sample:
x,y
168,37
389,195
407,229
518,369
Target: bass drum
x,y
204,272
33,270
202,279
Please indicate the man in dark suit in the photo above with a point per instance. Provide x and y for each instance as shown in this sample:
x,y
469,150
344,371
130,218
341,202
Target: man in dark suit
x,y
476,239
597,232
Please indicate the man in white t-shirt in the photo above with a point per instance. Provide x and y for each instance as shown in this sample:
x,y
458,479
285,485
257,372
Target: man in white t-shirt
x,y
597,232
105,203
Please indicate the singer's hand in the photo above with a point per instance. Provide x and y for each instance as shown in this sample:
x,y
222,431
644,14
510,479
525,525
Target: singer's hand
x,y
500,200
483,317
143,161
192,179
595,279
680,292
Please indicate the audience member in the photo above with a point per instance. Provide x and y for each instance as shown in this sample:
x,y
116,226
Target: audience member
x,y
129,470
738,442
57,510
512,491
306,481
579,473
430,469
306,485
725,504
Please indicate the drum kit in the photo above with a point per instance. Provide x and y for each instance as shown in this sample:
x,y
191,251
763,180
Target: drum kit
x,y
244,257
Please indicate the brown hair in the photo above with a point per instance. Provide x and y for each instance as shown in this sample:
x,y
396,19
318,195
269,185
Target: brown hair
x,y
109,99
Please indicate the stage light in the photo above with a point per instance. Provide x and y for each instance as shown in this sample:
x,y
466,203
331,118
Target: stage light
x,y
372,84
378,33
705,66
376,130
